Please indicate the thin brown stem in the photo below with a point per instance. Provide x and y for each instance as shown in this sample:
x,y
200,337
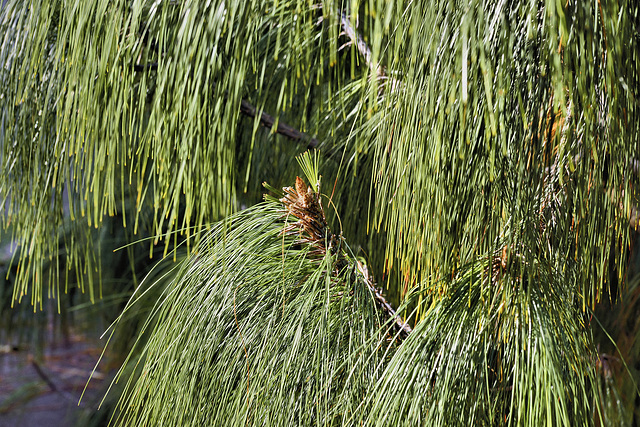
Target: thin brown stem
x,y
361,45
400,325
377,70
283,129
249,110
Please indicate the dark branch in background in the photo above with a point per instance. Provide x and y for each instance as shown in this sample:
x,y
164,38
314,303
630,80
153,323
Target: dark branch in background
x,y
249,110
283,129
145,67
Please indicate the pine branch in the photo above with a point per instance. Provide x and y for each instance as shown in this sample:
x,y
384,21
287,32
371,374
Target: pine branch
x,y
304,203
284,129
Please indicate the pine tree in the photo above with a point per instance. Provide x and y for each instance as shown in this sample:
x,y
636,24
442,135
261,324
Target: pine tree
x,y
477,160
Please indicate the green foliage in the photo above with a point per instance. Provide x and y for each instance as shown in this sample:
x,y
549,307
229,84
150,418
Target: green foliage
x,y
510,115
254,330
483,152
493,352
139,100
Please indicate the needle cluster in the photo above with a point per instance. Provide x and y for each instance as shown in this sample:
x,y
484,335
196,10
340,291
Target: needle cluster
x,y
305,204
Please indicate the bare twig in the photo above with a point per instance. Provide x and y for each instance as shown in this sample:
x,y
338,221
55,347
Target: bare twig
x,y
362,47
283,129
400,325
376,69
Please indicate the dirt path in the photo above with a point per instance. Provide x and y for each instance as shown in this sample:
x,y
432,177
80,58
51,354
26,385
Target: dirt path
x,y
43,391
